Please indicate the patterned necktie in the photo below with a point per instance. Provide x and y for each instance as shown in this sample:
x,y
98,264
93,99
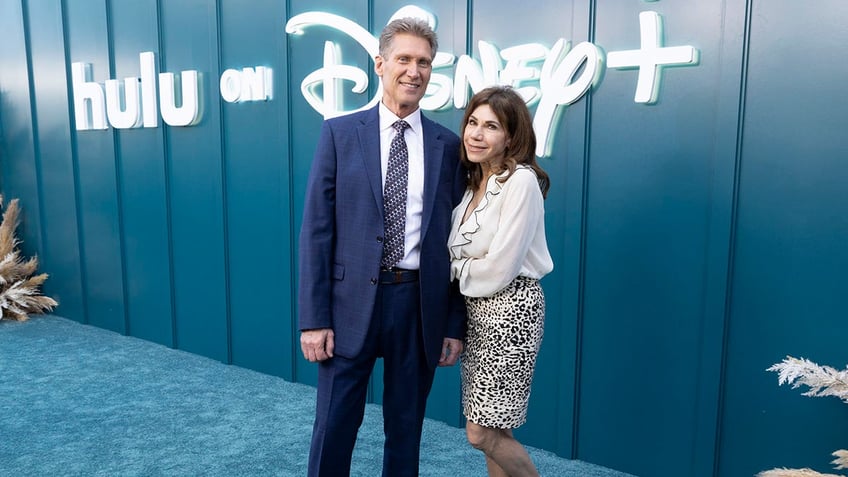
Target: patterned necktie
x,y
394,198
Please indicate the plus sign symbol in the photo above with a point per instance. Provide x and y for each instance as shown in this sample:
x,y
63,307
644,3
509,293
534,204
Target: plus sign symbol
x,y
651,57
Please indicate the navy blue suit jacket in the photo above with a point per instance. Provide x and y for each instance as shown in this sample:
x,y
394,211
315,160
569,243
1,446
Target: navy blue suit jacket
x,y
341,235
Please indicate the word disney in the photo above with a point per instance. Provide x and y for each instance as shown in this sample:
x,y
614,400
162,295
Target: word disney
x,y
548,78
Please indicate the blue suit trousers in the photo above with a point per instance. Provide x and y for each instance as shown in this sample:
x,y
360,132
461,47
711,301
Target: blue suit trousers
x,y
395,335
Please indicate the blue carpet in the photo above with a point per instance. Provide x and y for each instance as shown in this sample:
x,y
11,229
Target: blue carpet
x,y
76,400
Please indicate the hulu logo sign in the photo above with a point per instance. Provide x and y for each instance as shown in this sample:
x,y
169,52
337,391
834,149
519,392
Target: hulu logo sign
x,y
134,102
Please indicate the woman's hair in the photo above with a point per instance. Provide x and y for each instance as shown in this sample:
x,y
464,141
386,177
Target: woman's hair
x,y
410,26
512,113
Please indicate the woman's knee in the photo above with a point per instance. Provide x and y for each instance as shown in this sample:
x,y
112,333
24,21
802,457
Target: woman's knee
x,y
480,437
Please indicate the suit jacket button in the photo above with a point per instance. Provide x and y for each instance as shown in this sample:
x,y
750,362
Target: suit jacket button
x,y
373,281
379,239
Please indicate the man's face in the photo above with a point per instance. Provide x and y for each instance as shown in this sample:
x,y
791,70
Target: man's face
x,y
405,73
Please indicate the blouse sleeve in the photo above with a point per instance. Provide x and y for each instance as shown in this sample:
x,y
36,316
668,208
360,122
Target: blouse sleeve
x,y
521,212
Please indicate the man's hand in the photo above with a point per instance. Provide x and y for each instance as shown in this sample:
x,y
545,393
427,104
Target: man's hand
x,y
317,345
451,347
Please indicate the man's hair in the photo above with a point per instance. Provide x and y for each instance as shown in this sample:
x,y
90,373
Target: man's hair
x,y
408,26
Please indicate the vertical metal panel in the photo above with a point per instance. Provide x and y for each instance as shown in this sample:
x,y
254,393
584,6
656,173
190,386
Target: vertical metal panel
x,y
789,289
88,39
647,226
17,154
305,56
566,212
143,185
724,181
551,407
258,180
54,158
190,42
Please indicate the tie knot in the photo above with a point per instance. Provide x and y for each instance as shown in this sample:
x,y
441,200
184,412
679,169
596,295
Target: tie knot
x,y
400,126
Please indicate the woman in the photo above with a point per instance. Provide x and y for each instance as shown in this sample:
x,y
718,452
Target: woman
x,y
498,254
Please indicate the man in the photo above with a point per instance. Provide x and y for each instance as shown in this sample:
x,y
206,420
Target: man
x,y
374,268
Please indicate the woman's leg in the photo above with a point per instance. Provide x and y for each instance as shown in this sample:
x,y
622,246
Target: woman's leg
x,y
494,469
505,456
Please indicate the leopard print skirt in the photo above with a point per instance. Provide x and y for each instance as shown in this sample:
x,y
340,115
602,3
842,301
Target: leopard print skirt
x,y
504,334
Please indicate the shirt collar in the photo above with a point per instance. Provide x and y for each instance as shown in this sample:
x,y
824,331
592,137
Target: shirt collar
x,y
387,118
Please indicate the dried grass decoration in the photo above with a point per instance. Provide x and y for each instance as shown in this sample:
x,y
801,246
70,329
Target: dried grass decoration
x,y
20,295
821,381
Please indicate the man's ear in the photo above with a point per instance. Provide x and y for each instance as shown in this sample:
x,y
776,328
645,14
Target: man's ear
x,y
378,65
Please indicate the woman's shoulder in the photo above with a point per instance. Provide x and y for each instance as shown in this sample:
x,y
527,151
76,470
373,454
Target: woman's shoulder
x,y
523,182
523,175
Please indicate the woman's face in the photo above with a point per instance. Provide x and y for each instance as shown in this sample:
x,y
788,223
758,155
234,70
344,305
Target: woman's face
x,y
484,138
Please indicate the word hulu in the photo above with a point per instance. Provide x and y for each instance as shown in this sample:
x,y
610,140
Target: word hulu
x,y
133,102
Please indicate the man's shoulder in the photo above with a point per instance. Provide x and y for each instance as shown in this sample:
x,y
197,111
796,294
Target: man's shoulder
x,y
441,130
354,117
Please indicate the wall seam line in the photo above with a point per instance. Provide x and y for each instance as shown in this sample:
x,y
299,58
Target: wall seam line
x,y
75,167
732,238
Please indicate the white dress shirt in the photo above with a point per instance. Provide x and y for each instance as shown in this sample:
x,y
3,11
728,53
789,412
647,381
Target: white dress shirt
x,y
414,136
504,237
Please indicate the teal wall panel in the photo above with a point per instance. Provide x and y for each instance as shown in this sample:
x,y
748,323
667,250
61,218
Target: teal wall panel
x,y
789,289
550,421
724,156
697,240
305,55
559,361
258,178
145,217
648,195
17,148
54,157
101,253
189,36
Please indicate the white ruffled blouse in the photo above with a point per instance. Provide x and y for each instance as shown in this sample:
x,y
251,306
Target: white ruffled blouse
x,y
504,237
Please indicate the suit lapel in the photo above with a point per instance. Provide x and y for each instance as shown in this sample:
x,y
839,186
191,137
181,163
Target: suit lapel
x,y
369,138
433,155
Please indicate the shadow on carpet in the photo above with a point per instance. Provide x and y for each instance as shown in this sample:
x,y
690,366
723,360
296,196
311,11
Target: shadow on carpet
x,y
76,400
